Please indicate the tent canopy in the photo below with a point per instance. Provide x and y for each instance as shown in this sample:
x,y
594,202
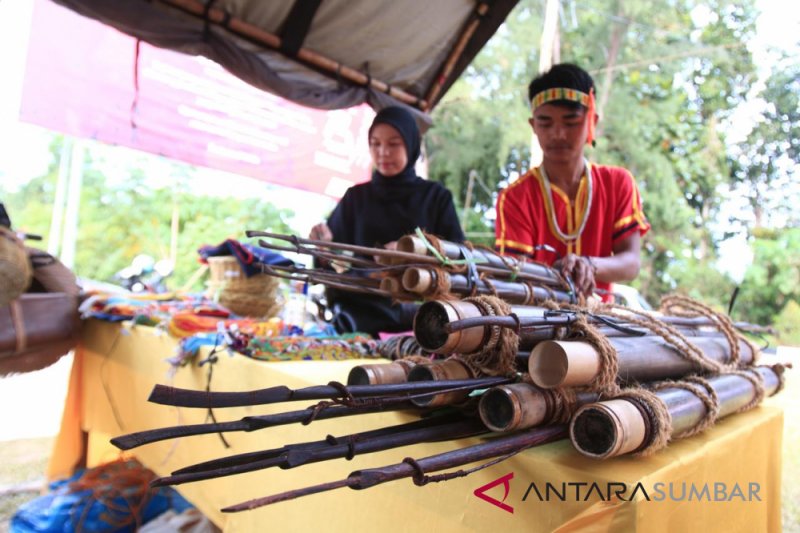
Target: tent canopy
x,y
327,55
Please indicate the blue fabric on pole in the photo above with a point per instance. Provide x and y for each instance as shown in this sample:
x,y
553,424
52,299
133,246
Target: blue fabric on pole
x,y
249,256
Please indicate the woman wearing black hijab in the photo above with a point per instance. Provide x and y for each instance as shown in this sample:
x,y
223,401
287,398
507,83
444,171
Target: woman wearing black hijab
x,y
377,213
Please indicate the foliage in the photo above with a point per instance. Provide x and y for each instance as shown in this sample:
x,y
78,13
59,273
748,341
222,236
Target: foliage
x,y
668,78
773,280
766,160
788,324
121,219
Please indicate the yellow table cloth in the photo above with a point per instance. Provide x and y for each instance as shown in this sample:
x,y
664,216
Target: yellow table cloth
x,y
116,367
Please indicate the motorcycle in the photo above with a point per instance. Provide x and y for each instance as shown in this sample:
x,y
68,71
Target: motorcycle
x,y
145,274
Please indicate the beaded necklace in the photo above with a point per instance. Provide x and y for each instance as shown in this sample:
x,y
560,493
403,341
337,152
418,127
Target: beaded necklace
x,y
551,210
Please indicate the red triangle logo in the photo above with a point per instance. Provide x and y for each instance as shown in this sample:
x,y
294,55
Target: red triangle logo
x,y
480,492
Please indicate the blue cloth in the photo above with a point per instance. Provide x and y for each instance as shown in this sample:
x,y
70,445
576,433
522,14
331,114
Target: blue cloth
x,y
63,510
248,256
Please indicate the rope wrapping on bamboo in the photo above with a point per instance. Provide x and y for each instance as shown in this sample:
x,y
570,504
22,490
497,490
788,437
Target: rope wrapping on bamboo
x,y
563,403
513,265
658,416
441,289
681,305
402,347
436,243
704,392
606,380
531,298
758,386
487,281
779,370
498,356
416,359
671,335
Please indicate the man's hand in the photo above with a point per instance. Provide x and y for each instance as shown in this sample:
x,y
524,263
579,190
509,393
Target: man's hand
x,y
321,232
581,270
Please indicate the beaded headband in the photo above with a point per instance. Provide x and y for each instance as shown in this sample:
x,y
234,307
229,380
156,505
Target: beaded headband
x,y
572,95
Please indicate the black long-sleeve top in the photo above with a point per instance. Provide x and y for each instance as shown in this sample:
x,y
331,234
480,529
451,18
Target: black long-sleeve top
x,y
381,211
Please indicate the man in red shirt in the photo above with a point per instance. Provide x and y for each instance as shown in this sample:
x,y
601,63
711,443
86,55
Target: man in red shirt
x,y
584,219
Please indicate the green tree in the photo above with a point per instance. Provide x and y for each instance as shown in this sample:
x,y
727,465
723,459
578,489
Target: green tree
x,y
766,161
667,78
121,219
773,280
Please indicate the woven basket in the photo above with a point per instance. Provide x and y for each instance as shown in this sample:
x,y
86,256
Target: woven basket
x,y
256,296
15,267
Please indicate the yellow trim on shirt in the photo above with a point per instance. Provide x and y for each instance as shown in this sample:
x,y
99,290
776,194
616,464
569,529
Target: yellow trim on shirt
x,y
501,209
527,248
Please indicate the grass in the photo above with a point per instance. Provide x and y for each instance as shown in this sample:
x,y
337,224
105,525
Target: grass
x,y
790,492
24,462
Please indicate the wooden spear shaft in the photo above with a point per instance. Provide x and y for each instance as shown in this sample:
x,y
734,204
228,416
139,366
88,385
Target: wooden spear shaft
x,y
364,479
358,444
496,266
164,395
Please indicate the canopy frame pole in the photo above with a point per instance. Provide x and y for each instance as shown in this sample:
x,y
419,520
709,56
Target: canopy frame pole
x,y
248,31
475,21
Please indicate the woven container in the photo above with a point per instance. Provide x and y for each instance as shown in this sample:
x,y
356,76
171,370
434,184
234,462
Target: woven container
x,y
256,296
15,267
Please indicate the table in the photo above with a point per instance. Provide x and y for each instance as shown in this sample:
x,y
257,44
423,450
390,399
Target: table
x,y
116,366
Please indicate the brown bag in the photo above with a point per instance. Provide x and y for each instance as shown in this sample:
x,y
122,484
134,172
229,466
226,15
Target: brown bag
x,y
36,329
15,268
50,274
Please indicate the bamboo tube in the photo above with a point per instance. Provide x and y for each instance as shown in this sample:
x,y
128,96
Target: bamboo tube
x,y
608,429
384,260
380,374
254,33
502,267
563,364
521,406
648,358
450,369
540,272
432,317
394,286
424,281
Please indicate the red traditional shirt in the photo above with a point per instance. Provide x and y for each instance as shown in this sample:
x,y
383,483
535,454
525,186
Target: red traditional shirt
x,y
525,219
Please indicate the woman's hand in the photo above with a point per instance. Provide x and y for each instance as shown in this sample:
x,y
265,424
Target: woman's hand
x,y
581,270
321,232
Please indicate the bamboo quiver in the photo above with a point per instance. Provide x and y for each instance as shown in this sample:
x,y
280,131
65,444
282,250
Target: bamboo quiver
x,y
535,271
394,372
647,358
428,282
522,405
450,369
626,425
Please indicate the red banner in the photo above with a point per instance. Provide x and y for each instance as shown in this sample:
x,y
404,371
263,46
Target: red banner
x,y
81,79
